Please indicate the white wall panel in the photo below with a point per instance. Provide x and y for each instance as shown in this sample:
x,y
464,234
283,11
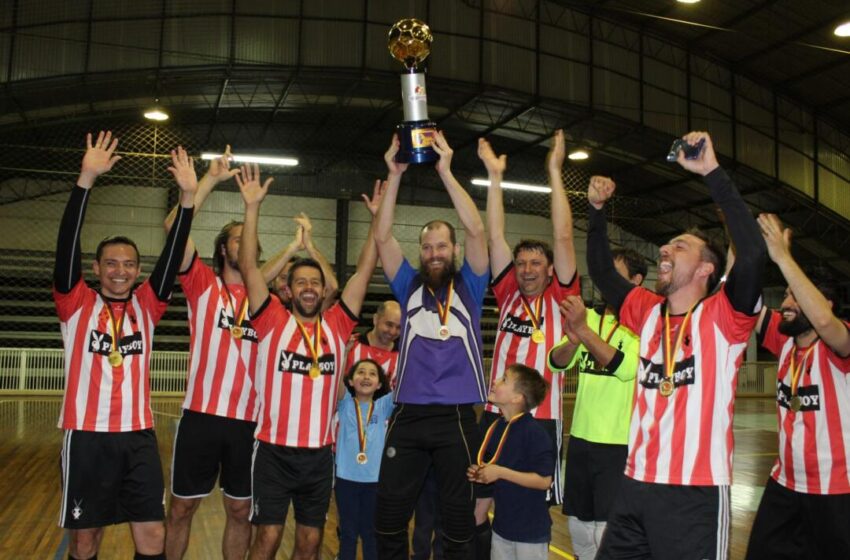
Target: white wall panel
x,y
49,50
796,170
267,40
616,94
205,41
133,44
755,149
331,43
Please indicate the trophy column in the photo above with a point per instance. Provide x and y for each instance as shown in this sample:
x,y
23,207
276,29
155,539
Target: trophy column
x,y
410,43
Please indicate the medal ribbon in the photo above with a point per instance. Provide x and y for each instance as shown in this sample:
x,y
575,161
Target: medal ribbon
x,y
795,371
669,356
443,309
243,309
115,331
613,328
314,345
538,307
488,435
361,427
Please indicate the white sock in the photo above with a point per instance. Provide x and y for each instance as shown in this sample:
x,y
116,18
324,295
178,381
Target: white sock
x,y
582,535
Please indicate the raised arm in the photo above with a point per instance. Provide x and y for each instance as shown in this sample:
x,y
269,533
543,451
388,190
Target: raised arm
x,y
389,249
817,309
331,282
253,194
218,172
500,251
618,364
97,160
600,261
744,281
563,246
475,240
164,273
357,286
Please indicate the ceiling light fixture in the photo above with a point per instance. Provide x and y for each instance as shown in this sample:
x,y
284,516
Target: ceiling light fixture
x,y
843,29
514,186
578,155
156,113
687,1
265,160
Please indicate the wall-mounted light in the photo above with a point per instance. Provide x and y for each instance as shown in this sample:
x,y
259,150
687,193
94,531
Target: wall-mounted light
x,y
514,186
265,160
843,29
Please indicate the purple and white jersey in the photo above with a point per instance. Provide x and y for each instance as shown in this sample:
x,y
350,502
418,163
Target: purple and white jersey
x,y
431,370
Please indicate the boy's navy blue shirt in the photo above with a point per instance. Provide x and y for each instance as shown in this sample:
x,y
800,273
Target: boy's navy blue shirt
x,y
522,514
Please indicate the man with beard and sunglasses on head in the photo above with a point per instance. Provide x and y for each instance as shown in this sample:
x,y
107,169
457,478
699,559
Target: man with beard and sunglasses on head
x,y
529,282
673,502
440,371
805,507
299,360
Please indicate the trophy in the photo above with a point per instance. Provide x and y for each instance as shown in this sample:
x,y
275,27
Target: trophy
x,y
410,43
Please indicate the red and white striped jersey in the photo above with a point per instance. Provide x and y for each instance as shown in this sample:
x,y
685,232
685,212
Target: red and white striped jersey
x,y
685,438
99,397
296,410
221,367
360,349
814,442
513,336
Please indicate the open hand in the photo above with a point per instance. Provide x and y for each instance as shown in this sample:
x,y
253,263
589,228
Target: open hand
x,y
98,158
249,184
494,164
374,203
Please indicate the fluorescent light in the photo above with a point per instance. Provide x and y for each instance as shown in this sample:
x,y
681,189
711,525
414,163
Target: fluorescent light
x,y
687,1
156,114
290,162
514,186
578,155
843,30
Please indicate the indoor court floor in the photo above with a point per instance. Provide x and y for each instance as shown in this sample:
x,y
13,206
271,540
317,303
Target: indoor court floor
x,y
30,493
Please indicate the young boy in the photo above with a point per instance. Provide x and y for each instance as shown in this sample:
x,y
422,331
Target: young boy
x,y
517,458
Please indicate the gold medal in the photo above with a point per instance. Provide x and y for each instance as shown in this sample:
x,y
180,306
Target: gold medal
x,y
444,332
115,358
362,459
236,331
796,403
666,387
315,372
538,337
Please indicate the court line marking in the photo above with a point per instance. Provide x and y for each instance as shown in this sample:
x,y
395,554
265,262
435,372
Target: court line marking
x,y
560,552
771,454
165,413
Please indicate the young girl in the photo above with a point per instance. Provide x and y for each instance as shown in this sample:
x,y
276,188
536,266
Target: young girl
x,y
363,413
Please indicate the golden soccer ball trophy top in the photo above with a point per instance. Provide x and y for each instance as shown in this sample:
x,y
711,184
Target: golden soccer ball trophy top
x,y
409,41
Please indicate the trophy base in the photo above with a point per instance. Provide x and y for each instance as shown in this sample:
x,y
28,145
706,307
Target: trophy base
x,y
416,138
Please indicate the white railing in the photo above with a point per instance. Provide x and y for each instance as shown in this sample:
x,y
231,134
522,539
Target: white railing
x,y
40,371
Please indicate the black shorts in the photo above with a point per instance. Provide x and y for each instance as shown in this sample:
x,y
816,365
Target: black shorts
x,y
667,522
281,475
592,478
791,524
554,429
205,445
109,478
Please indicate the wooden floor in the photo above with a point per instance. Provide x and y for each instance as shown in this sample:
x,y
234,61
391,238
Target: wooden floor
x,y
29,486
